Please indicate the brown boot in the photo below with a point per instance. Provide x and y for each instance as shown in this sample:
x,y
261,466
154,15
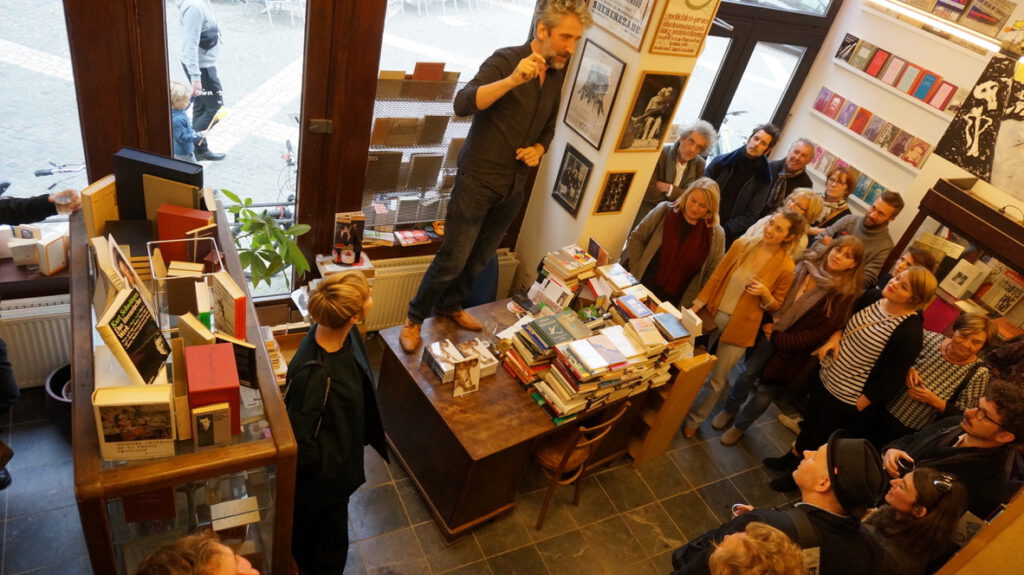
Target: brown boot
x,y
410,336
465,320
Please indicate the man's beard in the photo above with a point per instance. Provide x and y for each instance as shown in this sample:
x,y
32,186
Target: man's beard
x,y
553,61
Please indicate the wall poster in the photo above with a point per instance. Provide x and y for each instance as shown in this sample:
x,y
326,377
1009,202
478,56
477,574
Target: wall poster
x,y
683,27
625,19
593,93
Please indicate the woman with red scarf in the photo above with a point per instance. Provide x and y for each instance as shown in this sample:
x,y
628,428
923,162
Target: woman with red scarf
x,y
677,246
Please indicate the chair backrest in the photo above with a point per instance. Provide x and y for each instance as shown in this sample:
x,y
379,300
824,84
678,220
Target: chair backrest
x,y
592,436
587,438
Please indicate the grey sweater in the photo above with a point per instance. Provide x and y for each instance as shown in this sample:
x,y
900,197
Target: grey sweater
x,y
877,243
196,17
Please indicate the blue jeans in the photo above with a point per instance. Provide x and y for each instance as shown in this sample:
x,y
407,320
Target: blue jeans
x,y
743,376
478,217
757,403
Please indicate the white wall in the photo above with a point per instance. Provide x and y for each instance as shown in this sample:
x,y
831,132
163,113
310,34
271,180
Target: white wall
x,y
954,63
547,226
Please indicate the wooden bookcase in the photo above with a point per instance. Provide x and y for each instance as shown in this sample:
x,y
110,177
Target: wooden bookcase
x,y
260,462
665,408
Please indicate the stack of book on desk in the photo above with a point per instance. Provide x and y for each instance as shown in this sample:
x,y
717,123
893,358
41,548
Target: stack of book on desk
x,y
570,370
570,265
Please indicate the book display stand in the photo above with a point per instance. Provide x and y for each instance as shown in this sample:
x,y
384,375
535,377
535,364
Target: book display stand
x,y
242,489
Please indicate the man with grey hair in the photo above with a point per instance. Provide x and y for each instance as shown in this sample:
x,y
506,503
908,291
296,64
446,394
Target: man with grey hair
x,y
789,173
514,100
678,165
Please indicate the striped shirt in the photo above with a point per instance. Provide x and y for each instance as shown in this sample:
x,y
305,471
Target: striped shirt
x,y
864,338
942,378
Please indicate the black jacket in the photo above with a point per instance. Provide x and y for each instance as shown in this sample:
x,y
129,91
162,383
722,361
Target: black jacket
x,y
14,211
746,198
777,194
985,471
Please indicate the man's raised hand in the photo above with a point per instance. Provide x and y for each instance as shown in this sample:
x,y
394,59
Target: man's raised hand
x,y
529,68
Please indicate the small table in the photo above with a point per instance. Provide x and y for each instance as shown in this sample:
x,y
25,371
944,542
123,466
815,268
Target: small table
x,y
465,454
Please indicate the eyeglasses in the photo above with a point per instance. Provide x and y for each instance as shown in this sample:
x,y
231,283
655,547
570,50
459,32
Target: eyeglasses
x,y
836,181
980,413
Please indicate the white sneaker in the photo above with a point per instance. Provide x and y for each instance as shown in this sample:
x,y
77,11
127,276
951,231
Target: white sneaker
x,y
791,423
731,436
722,420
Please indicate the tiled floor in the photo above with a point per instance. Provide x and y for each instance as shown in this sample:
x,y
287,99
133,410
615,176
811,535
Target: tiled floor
x,y
629,520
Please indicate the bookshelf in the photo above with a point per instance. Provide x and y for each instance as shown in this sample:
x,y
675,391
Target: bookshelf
x,y
865,143
259,463
946,117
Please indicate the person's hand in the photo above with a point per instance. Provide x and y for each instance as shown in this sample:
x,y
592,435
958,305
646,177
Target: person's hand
x,y
65,207
757,287
663,187
197,87
863,402
813,231
826,240
926,396
529,68
890,459
768,328
913,378
530,155
830,348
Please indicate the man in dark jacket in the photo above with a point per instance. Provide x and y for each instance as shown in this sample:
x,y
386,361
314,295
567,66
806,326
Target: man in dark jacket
x,y
744,179
14,211
789,173
838,483
678,165
977,448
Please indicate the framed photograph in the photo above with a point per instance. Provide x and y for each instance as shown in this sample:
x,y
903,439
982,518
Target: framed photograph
x,y
572,179
625,19
613,192
988,16
651,114
593,93
683,27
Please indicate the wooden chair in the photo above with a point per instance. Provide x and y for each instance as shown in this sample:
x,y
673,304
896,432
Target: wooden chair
x,y
564,457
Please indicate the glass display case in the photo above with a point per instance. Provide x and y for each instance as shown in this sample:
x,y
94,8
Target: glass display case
x,y
243,489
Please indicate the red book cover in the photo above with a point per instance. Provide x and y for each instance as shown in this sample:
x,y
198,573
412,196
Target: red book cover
x,y
154,505
171,224
877,62
860,120
213,378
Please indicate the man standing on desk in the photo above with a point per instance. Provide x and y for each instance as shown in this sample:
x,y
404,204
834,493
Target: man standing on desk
x,y
514,99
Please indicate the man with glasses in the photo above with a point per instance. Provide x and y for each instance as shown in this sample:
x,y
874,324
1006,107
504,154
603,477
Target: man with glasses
x,y
872,229
977,448
789,173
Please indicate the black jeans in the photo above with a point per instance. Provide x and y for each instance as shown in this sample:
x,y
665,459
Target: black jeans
x,y
206,105
9,392
320,536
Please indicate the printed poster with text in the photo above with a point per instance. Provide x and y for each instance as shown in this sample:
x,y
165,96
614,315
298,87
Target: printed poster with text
x,y
684,25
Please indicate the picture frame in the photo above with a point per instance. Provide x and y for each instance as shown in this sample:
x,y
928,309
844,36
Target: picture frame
x,y
683,27
651,112
593,94
625,19
571,183
613,192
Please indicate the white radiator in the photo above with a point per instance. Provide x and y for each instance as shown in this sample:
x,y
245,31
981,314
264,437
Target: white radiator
x,y
37,331
396,280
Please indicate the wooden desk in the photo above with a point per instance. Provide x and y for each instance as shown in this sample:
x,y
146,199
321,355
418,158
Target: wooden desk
x,y
465,455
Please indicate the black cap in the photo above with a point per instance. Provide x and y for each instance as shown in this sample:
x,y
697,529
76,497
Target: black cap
x,y
856,472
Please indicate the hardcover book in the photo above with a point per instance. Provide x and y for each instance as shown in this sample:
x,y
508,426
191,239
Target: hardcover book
x,y
132,334
173,223
134,422
877,62
229,304
159,191
846,47
211,425
213,378
129,166
822,100
99,205
245,358
862,54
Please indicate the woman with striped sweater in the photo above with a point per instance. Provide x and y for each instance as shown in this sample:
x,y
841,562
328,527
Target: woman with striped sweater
x,y
862,366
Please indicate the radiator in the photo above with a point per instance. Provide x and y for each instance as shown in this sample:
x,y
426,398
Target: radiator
x,y
37,331
396,280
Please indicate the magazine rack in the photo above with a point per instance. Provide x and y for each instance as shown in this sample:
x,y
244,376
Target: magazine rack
x,y
179,491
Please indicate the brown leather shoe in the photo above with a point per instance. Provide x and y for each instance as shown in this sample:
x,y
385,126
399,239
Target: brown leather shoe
x,y
465,320
410,336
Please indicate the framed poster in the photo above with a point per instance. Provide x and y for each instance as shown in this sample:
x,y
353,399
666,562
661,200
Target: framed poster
x,y
651,113
613,192
625,19
683,26
572,179
593,93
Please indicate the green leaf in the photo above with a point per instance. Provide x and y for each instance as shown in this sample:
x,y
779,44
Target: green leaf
x,y
231,196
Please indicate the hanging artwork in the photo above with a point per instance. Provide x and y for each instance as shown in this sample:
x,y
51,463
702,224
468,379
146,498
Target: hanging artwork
x,y
975,137
651,114
683,27
626,19
572,179
613,192
593,93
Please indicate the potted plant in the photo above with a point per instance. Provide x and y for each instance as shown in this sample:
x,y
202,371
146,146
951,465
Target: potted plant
x,y
265,248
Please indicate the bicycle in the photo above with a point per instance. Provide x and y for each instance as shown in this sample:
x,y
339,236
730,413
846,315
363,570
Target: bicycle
x,y
72,169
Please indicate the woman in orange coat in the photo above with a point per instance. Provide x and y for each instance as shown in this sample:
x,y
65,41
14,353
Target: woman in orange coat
x,y
754,277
